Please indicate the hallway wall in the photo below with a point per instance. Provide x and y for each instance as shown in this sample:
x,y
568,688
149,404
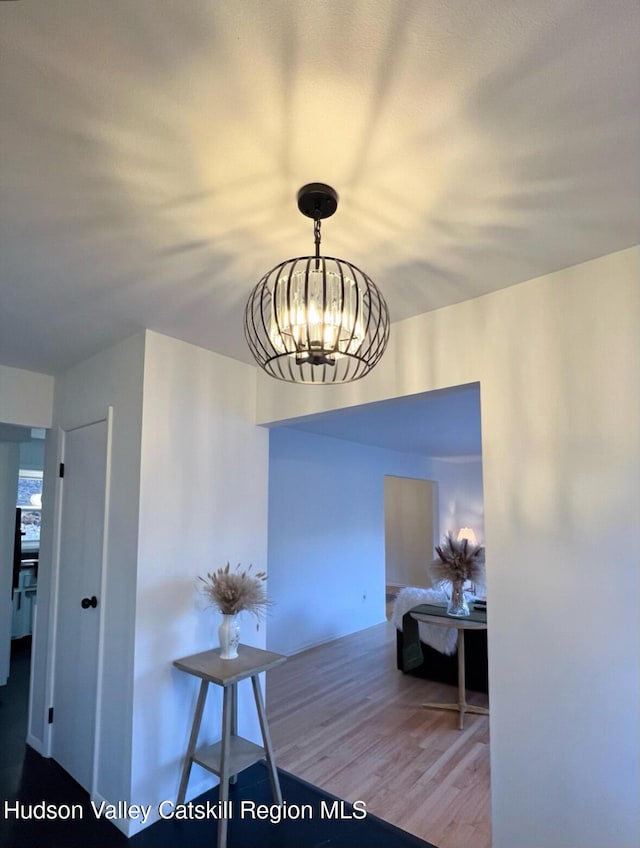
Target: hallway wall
x,y
558,361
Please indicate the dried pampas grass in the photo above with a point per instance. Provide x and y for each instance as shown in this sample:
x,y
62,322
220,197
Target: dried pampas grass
x,y
458,561
231,592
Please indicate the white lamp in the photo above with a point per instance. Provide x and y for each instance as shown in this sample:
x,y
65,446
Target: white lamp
x,y
468,534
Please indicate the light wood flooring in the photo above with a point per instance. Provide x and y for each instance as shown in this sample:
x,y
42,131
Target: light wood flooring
x,y
344,718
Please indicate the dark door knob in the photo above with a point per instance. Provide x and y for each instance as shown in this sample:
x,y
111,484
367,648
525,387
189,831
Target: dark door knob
x,y
89,602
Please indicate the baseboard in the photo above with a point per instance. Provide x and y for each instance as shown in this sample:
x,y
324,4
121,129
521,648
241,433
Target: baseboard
x,y
123,825
36,744
334,638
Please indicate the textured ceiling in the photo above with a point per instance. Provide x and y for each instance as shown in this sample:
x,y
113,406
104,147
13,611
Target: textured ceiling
x,y
150,154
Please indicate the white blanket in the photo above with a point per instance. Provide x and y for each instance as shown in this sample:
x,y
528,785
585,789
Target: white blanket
x,y
443,639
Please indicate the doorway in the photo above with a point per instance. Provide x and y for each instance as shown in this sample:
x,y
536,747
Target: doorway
x,y
21,476
410,530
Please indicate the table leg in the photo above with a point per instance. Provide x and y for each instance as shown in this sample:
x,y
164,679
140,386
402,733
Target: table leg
x,y
462,690
234,721
462,707
266,739
193,741
227,710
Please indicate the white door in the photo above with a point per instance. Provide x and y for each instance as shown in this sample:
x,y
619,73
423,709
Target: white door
x,y
79,604
410,529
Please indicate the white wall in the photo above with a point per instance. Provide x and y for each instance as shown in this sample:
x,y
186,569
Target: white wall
x,y
188,492
558,360
26,397
9,456
203,502
32,455
83,395
461,499
326,536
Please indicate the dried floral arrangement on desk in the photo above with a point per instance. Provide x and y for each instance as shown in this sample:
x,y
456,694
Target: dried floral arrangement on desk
x,y
457,562
232,592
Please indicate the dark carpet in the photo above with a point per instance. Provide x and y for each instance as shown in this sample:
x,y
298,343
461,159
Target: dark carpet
x,y
27,777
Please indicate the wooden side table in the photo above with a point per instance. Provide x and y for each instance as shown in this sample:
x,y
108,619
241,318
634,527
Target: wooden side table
x,y
233,753
477,620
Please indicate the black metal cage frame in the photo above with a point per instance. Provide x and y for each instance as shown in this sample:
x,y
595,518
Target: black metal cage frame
x,y
300,360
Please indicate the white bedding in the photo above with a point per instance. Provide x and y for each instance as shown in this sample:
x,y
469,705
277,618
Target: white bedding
x,y
443,639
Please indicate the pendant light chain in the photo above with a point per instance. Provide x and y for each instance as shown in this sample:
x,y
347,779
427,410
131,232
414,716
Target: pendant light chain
x,y
317,237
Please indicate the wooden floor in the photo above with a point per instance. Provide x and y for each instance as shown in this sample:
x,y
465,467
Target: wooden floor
x,y
344,718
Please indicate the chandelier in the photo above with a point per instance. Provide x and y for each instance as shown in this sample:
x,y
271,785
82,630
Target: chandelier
x,y
316,319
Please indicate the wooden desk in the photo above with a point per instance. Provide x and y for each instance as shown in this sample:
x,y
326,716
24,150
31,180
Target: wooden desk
x,y
233,753
477,620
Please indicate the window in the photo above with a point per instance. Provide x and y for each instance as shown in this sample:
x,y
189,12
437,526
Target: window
x,y
30,503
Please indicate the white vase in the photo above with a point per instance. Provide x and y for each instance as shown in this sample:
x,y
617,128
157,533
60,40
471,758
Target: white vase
x,y
229,635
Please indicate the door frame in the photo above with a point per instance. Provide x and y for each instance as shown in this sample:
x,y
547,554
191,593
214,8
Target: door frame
x,y
54,597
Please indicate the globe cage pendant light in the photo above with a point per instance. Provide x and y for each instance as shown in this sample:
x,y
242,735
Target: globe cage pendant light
x,y
316,319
